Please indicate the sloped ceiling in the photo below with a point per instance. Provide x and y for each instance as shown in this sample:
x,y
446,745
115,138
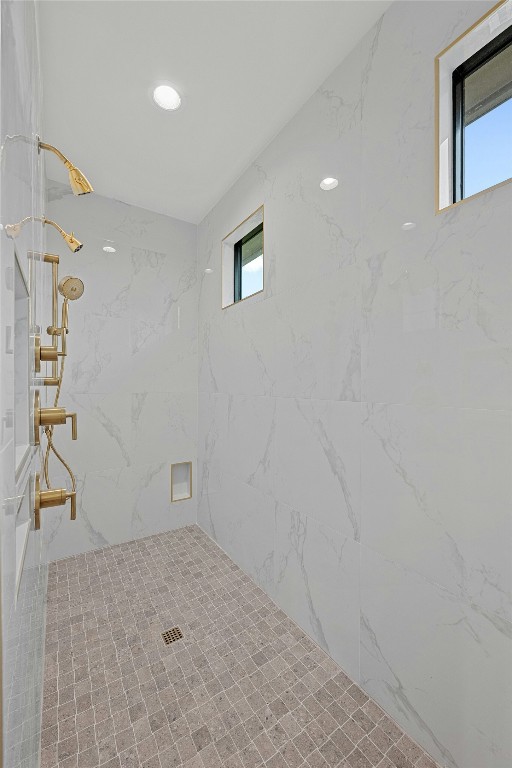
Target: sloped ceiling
x,y
243,69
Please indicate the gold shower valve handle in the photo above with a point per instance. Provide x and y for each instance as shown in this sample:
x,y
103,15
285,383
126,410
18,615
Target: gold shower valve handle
x,y
49,417
52,331
43,354
55,497
74,428
49,354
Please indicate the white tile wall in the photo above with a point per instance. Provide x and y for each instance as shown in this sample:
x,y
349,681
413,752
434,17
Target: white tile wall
x,y
131,373
355,419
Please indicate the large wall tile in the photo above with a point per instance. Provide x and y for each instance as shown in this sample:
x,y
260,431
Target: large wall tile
x,y
251,434
238,350
439,667
164,426
151,508
212,441
242,521
317,461
438,310
436,497
399,339
99,358
317,584
104,431
131,372
103,514
318,339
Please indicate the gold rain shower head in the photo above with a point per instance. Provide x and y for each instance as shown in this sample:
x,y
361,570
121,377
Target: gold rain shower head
x,y
77,181
71,241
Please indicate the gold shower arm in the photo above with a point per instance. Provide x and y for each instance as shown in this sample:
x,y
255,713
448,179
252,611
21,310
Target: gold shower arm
x,y
13,230
67,163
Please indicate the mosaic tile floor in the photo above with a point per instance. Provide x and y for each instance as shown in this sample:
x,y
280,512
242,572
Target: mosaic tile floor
x,y
244,687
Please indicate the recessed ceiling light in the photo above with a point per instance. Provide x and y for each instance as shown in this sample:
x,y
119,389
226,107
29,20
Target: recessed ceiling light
x,y
329,183
109,249
208,271
408,225
166,97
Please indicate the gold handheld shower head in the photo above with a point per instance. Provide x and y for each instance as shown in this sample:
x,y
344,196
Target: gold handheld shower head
x,y
77,181
71,288
72,243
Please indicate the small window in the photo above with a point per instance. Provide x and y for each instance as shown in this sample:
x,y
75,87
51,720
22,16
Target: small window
x,y
474,109
482,118
243,260
248,264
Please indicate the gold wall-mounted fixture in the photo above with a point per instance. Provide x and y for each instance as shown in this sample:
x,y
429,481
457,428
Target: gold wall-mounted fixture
x,y
13,230
54,497
51,417
77,181
71,288
73,244
43,354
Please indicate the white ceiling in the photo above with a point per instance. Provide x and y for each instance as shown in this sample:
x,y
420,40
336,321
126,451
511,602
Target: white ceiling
x,y
243,70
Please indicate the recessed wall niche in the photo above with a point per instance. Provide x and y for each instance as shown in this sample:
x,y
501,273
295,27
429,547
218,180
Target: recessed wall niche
x,y
181,481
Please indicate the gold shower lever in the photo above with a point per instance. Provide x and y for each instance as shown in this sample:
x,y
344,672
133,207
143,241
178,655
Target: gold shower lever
x,y
55,497
44,354
49,417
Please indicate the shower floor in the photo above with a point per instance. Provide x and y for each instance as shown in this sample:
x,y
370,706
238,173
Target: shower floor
x,y
243,688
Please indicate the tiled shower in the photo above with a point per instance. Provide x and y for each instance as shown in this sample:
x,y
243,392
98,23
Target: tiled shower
x,y
339,582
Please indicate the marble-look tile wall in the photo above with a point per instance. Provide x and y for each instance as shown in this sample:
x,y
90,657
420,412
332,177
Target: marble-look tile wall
x,y
355,419
131,371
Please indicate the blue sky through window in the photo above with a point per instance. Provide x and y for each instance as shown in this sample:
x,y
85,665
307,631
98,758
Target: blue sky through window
x,y
488,149
252,277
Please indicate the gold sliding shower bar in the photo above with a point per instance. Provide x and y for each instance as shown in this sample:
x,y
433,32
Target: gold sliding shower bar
x,y
53,259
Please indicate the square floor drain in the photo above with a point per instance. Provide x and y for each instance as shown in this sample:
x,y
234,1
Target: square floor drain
x,y
172,635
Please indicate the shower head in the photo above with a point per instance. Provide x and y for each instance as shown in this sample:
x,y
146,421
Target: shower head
x,y
71,288
13,230
77,181
72,243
